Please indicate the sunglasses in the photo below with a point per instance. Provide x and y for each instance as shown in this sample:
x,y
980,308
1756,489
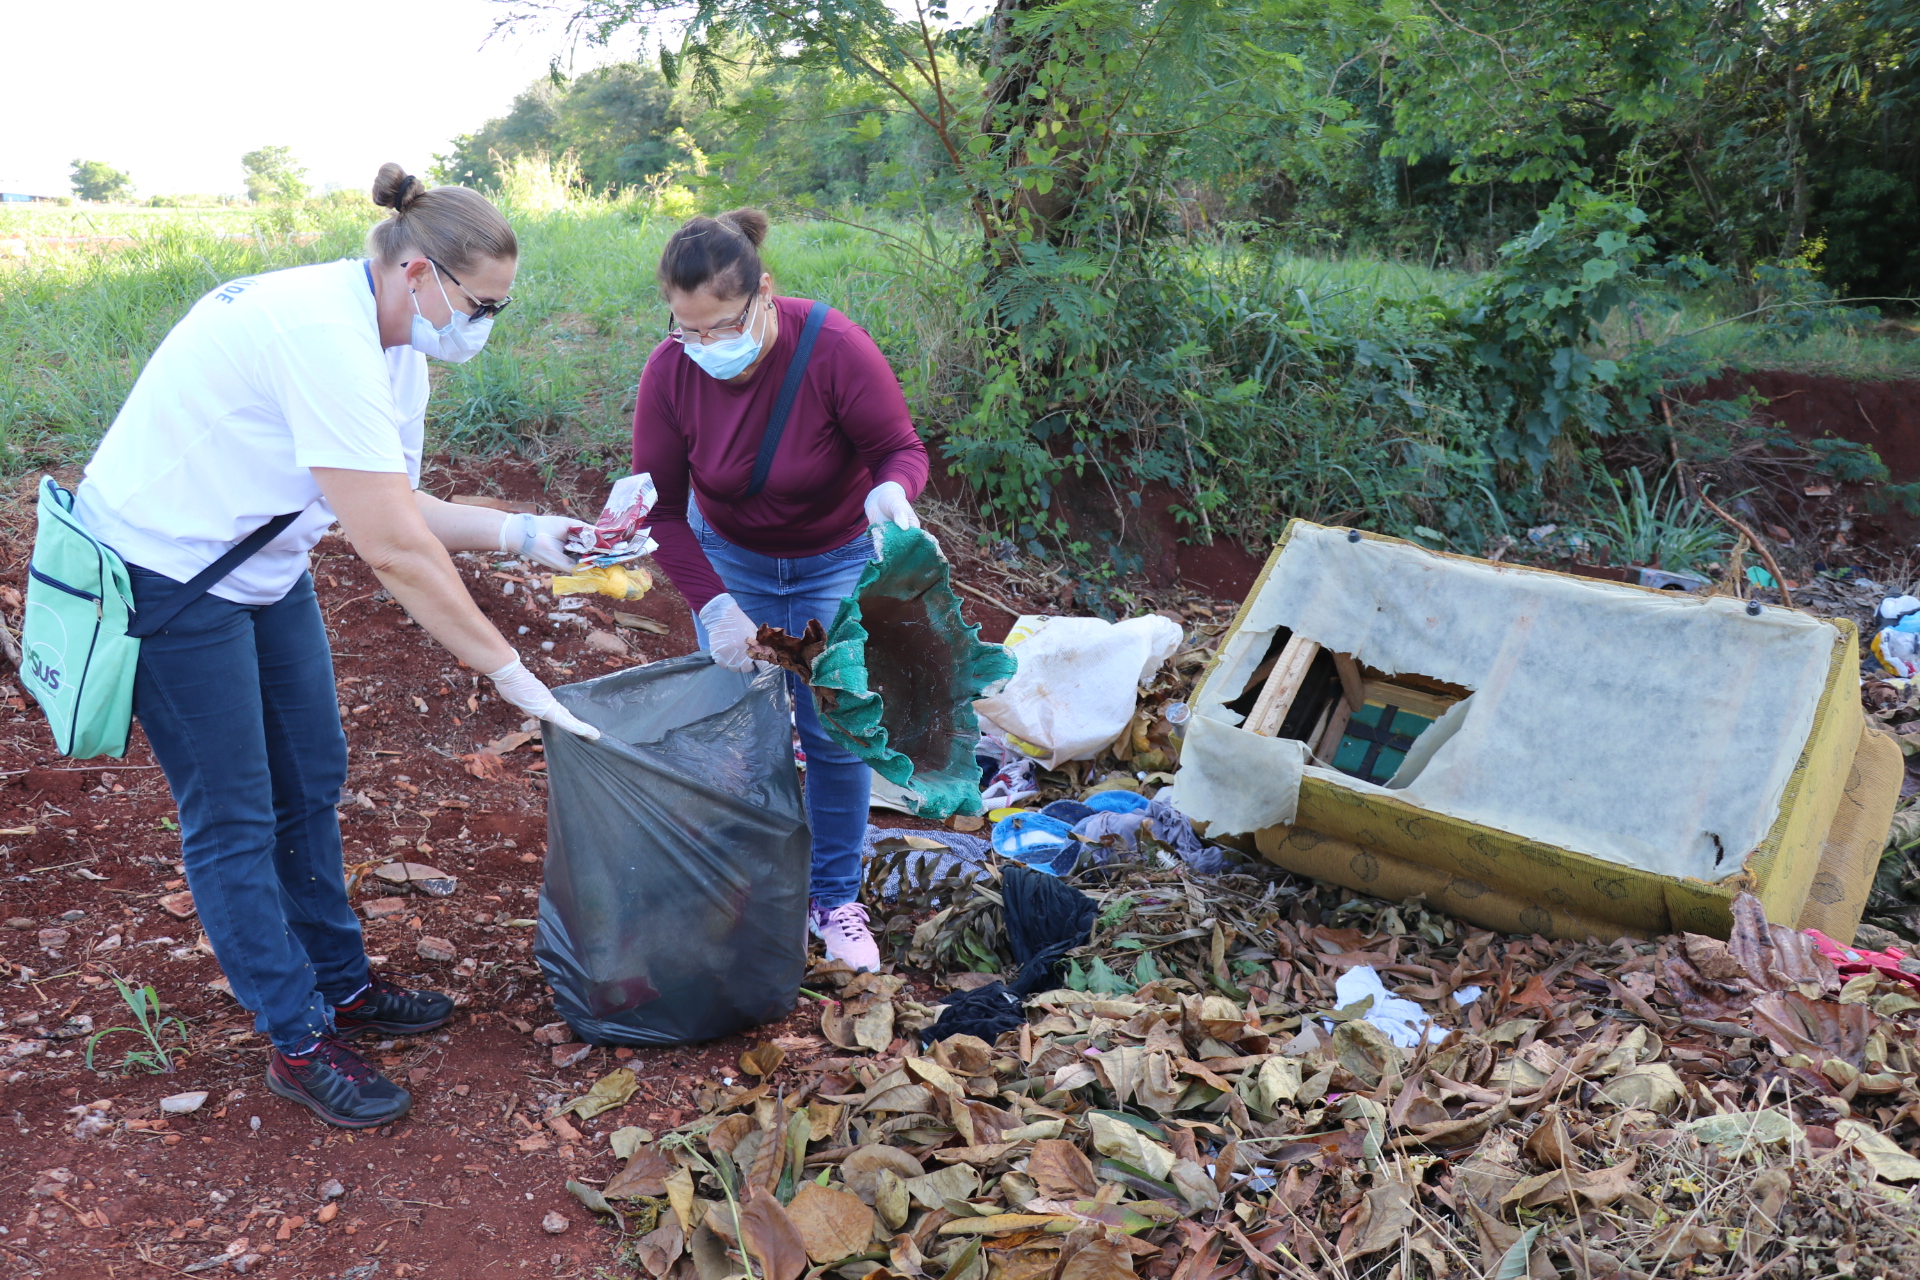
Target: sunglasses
x,y
481,310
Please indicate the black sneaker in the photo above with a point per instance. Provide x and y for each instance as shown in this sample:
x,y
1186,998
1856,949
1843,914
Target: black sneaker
x,y
388,1010
340,1086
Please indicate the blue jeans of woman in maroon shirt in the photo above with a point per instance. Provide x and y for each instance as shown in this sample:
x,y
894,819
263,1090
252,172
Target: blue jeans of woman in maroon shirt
x,y
788,593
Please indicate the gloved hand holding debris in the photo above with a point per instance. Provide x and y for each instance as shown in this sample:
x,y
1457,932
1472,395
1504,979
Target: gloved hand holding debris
x,y
607,548
541,539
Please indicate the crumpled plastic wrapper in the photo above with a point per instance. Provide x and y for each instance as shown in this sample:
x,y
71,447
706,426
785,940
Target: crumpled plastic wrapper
x,y
616,537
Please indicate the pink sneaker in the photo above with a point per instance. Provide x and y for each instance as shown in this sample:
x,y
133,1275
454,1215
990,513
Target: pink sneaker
x,y
844,930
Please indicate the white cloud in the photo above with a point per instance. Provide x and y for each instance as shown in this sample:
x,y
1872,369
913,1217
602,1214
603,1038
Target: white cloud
x,y
176,93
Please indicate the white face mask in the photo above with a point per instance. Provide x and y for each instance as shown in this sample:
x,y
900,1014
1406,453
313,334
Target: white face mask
x,y
729,357
458,340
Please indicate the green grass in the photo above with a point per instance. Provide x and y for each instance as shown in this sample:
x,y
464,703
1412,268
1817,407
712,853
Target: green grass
x,y
78,321
116,220
1709,323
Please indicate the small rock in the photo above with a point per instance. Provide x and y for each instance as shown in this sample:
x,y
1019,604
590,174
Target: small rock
x,y
28,1019
178,905
606,642
246,1262
71,916
183,1104
328,1212
466,968
555,1223
429,880
565,1055
381,908
331,1189
53,939
431,948
26,1048
50,1182
22,923
553,1033
79,1025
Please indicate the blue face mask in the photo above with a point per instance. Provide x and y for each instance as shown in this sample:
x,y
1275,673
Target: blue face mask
x,y
729,357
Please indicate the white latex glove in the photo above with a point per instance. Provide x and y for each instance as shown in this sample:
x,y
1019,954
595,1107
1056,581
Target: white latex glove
x,y
728,631
523,689
887,504
541,539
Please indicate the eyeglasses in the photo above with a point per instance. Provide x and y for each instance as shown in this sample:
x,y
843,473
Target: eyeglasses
x,y
481,310
719,333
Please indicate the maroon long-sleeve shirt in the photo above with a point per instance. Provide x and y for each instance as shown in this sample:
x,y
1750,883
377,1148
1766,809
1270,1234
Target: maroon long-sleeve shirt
x,y
848,431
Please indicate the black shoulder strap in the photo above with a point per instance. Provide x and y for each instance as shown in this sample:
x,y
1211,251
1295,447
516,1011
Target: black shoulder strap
x,y
155,616
783,404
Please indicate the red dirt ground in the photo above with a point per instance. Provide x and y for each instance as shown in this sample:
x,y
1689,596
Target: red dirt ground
x,y
460,1188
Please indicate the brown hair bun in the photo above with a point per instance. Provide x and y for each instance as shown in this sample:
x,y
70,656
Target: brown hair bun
x,y
751,223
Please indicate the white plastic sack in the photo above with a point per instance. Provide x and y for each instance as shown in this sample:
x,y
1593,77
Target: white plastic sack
x,y
1078,682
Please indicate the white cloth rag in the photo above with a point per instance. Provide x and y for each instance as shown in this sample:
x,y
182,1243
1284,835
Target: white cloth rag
x,y
1401,1021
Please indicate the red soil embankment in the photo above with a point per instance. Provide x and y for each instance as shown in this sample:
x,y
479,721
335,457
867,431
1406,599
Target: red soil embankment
x,y
1884,414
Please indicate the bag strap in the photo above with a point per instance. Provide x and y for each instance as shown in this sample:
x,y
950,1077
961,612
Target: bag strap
x,y
783,404
155,616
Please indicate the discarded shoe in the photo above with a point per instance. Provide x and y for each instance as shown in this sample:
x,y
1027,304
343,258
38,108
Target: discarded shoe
x,y
844,931
338,1085
388,1009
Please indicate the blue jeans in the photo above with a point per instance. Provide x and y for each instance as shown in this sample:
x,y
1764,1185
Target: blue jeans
x,y
788,594
238,703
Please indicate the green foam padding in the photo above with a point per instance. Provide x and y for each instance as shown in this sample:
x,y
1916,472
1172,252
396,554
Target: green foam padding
x,y
896,682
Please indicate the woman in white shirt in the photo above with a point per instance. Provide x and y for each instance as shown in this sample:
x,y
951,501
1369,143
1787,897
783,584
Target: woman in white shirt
x,y
304,391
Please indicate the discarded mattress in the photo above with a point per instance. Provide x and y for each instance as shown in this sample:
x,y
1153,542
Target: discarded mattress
x,y
1537,752
896,679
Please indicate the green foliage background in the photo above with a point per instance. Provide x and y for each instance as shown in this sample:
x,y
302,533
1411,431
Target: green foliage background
x,y
1378,261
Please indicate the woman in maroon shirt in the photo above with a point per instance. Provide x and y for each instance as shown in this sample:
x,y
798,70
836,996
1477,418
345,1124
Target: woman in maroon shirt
x,y
779,542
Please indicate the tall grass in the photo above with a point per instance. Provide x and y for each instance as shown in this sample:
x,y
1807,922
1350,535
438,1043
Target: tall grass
x,y
78,321
1355,420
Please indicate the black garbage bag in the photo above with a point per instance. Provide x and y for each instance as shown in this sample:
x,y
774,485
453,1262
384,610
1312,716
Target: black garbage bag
x,y
1045,919
674,907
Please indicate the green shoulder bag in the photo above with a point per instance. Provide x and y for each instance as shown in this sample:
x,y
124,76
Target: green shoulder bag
x,y
80,642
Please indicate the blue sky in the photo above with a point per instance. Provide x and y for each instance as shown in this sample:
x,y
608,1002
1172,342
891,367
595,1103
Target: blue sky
x,y
175,93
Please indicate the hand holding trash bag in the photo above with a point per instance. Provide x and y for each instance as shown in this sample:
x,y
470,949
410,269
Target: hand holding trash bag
x,y
728,631
523,689
541,539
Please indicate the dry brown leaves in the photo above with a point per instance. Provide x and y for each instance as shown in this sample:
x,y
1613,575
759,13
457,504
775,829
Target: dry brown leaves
x,y
1653,1108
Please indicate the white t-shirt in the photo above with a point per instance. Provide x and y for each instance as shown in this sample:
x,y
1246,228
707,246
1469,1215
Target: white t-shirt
x,y
264,378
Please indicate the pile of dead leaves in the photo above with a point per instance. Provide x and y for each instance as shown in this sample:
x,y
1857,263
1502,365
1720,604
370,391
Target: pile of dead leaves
x,y
1688,1106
